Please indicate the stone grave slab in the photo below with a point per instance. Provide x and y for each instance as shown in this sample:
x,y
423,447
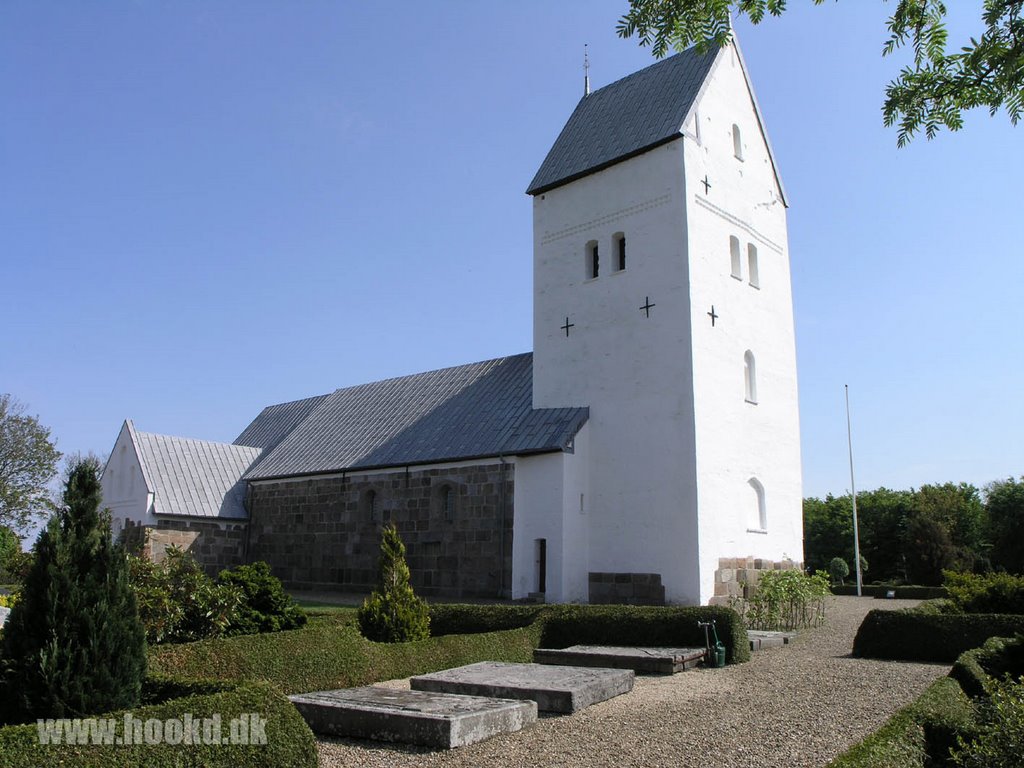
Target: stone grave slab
x,y
657,661
412,717
760,639
554,688
4,612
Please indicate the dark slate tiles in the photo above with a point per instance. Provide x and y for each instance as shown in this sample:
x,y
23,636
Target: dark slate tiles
x,y
629,116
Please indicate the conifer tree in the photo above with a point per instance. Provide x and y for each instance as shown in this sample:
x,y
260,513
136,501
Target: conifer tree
x,y
73,645
393,613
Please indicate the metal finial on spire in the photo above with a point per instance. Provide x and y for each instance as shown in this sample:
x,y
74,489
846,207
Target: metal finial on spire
x,y
586,71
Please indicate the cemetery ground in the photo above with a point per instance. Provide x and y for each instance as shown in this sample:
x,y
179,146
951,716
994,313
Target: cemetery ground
x,y
799,705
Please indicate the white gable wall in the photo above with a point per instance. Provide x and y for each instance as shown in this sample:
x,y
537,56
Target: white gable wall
x,y
633,371
124,486
737,440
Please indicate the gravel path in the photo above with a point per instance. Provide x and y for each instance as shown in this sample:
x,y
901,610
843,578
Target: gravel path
x,y
799,705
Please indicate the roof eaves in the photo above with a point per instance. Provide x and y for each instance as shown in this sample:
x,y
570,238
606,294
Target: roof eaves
x,y
598,168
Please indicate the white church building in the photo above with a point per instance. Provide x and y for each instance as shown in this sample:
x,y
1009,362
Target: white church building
x,y
643,452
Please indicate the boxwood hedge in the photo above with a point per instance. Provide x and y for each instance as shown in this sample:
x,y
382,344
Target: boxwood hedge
x,y
907,635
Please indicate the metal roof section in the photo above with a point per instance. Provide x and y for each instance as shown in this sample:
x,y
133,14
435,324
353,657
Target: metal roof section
x,y
276,421
194,478
621,120
469,411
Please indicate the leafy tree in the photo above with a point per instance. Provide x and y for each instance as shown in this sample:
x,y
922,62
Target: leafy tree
x,y
958,508
883,515
1004,503
828,531
929,549
838,570
10,547
932,93
393,613
28,461
73,644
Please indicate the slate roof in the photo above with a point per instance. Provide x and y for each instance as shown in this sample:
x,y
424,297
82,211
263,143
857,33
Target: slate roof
x,y
196,478
630,116
466,412
276,421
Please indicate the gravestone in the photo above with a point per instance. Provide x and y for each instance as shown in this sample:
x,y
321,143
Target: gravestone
x,y
554,688
412,717
657,661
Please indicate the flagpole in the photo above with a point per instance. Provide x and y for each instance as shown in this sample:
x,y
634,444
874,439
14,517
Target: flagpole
x,y
853,489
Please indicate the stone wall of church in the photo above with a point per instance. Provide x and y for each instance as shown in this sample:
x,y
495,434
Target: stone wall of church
x,y
323,533
215,544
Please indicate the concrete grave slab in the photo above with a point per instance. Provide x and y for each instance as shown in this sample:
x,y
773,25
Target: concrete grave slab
x,y
657,661
761,639
4,612
554,688
412,717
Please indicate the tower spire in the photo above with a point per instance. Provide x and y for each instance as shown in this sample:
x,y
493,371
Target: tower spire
x,y
586,71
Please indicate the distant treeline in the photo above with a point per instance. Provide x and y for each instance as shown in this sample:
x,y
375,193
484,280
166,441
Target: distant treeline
x,y
912,536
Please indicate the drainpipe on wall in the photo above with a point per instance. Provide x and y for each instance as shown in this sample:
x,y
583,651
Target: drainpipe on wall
x,y
501,529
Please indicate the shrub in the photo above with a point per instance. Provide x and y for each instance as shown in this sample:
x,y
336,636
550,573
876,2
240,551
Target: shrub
x,y
997,658
73,644
10,548
1000,732
919,734
565,625
838,570
8,601
393,613
457,619
289,740
264,606
908,635
178,602
787,600
990,593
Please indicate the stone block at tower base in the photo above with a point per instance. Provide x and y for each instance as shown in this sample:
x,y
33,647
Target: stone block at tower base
x,y
412,717
654,661
554,688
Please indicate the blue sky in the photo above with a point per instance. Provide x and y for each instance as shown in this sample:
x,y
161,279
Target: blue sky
x,y
206,208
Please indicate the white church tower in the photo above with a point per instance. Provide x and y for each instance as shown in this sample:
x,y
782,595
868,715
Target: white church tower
x,y
662,302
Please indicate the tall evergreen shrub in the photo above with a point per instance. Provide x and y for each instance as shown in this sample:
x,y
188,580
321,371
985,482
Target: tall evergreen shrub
x,y
393,613
73,644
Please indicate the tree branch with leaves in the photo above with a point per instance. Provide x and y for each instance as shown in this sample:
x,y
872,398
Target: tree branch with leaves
x,y
930,94
28,461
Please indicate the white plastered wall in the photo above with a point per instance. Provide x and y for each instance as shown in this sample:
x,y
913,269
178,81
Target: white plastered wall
x,y
124,486
738,440
631,369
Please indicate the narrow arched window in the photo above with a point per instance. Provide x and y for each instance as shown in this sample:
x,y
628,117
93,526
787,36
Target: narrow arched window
x,y
371,506
758,509
593,260
448,503
737,142
752,272
619,240
749,377
735,258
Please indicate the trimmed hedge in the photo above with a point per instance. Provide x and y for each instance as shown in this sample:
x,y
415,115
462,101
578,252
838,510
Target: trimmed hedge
x,y
566,625
904,592
326,655
919,734
289,740
460,619
907,635
999,656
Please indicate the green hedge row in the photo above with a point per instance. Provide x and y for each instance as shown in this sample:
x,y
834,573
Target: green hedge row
x,y
459,619
566,625
904,592
999,656
288,739
919,734
908,635
326,655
